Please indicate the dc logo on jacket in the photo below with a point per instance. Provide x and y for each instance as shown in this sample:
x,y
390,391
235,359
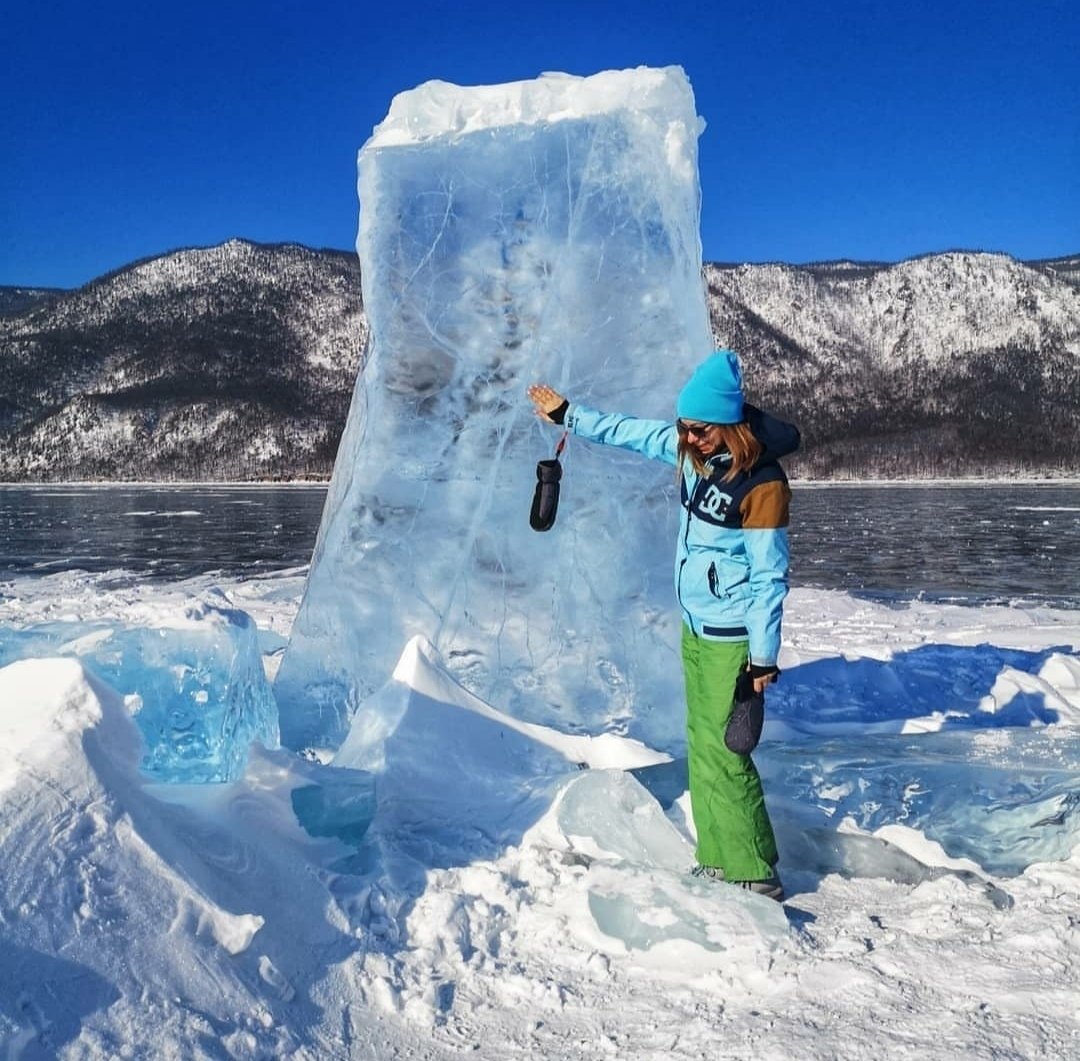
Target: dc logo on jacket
x,y
714,505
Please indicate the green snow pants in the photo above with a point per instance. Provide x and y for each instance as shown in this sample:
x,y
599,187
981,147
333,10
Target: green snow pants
x,y
733,828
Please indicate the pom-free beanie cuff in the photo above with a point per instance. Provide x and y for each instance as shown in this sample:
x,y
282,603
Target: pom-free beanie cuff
x,y
713,394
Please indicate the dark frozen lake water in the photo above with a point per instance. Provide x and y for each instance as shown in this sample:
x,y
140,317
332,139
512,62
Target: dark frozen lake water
x,y
973,543
986,542
164,531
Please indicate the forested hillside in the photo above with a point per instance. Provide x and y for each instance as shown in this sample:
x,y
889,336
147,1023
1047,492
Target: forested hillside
x,y
238,362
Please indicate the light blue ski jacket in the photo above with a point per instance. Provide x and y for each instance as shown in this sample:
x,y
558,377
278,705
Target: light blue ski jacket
x,y
731,558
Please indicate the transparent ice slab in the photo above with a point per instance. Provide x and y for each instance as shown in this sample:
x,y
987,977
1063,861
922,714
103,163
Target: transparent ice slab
x,y
202,694
1003,798
558,244
640,890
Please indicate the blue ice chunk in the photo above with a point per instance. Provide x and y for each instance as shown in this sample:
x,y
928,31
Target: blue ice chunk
x,y
340,805
639,886
620,917
546,230
202,693
1004,798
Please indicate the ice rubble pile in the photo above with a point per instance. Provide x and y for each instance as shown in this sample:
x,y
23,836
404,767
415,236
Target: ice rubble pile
x,y
461,784
195,681
540,230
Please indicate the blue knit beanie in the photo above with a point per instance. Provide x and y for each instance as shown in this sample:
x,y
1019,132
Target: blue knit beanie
x,y
713,394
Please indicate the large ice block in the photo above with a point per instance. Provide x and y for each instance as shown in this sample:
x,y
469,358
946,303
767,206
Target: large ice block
x,y
544,230
202,694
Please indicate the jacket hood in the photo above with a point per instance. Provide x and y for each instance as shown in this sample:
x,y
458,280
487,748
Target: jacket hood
x,y
779,438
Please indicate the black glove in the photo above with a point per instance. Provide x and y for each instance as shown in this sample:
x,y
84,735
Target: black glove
x,y
546,497
743,730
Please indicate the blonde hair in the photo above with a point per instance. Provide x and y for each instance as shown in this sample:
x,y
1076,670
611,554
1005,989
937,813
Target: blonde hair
x,y
736,439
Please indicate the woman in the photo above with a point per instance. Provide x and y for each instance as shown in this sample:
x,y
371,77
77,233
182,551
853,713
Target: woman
x,y
731,570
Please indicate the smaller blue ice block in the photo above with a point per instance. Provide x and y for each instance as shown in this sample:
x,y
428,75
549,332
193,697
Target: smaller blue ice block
x,y
202,693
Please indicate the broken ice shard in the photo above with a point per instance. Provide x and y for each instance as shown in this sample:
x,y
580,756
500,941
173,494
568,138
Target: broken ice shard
x,y
202,694
543,230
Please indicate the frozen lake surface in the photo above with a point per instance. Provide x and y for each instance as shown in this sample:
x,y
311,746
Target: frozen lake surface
x,y
921,759
922,764
981,543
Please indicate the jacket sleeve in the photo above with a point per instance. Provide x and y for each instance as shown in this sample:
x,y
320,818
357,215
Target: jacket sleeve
x,y
765,512
653,438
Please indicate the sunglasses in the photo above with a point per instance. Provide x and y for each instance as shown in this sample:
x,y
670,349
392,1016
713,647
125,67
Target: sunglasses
x,y
693,430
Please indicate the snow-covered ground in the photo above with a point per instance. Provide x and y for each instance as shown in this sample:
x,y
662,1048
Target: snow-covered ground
x,y
522,892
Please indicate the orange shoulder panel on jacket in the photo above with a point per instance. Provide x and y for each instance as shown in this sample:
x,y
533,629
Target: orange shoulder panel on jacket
x,y
766,507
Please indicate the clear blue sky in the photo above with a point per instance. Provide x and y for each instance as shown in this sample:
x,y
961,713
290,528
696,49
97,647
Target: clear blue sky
x,y
870,130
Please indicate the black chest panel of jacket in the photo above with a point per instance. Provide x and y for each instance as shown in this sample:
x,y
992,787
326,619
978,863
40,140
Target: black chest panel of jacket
x,y
720,503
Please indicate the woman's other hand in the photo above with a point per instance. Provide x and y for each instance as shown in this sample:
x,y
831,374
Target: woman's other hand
x,y
763,676
548,403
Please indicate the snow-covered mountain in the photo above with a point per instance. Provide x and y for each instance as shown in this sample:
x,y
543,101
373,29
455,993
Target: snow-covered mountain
x,y
19,299
950,364
231,362
238,362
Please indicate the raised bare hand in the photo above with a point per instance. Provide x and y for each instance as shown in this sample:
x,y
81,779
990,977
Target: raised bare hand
x,y
545,400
